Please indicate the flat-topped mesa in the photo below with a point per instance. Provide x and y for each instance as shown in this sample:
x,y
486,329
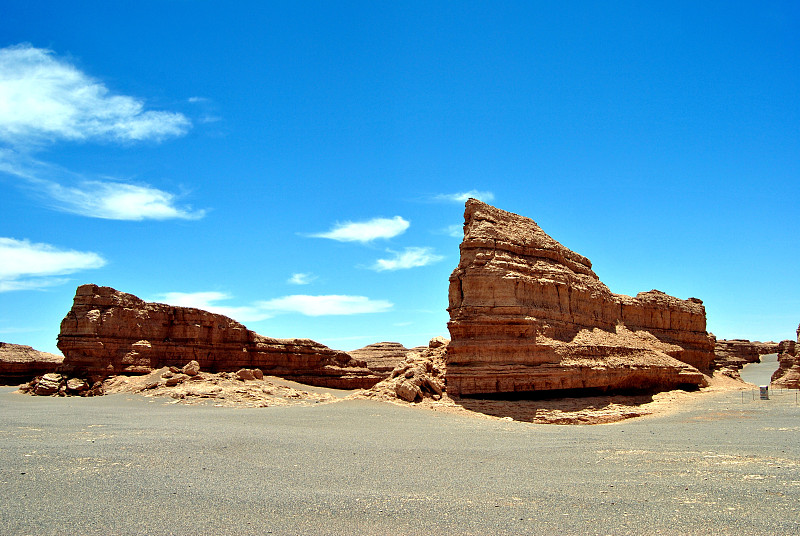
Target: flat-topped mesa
x,y
519,299
108,332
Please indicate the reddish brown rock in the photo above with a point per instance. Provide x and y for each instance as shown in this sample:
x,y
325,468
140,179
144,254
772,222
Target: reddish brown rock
x,y
381,357
108,332
20,363
528,314
788,373
731,355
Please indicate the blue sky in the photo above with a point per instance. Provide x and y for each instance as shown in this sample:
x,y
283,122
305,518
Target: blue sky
x,y
302,166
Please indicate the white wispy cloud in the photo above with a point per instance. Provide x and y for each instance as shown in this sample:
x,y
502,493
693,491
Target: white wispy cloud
x,y
366,231
301,279
409,258
332,304
207,301
455,230
43,98
462,197
27,265
119,201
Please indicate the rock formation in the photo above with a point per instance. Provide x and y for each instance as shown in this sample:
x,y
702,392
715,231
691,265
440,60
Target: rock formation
x,y
19,363
731,355
419,375
788,373
381,357
108,332
528,314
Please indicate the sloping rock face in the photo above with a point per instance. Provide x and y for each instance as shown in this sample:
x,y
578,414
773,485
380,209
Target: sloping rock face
x,y
731,355
528,314
788,373
19,363
108,332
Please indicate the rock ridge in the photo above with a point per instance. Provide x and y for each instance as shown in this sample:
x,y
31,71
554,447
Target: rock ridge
x,y
108,332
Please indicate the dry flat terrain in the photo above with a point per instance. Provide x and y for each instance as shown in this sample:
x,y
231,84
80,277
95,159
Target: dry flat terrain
x,y
126,464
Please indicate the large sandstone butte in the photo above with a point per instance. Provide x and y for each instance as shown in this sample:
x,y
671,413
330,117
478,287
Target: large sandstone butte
x,y
528,314
20,363
788,373
108,332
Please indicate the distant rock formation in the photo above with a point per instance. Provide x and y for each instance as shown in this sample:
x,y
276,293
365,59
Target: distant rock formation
x,y
108,332
381,357
19,363
788,373
528,314
731,355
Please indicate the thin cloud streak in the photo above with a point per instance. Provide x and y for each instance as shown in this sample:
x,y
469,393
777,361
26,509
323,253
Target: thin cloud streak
x,y
28,266
412,257
366,231
462,197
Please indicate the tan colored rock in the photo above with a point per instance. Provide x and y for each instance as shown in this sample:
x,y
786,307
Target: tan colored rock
x,y
20,363
49,384
731,355
438,342
77,384
788,373
408,391
108,332
528,314
192,368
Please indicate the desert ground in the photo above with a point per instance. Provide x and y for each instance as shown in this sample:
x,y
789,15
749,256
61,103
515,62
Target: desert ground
x,y
719,461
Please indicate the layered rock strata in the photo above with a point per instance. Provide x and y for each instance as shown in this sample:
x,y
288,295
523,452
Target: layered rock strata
x,y
528,314
788,373
381,357
19,362
731,355
109,332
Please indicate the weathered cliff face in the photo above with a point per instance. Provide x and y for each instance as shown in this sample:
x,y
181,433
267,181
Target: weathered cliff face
x,y
526,314
19,362
731,355
109,332
788,373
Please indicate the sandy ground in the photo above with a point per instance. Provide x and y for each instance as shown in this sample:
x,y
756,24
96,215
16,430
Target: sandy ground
x,y
716,463
226,390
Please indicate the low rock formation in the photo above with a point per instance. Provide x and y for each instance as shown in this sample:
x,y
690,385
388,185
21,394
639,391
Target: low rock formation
x,y
108,332
788,373
19,363
528,314
382,357
420,375
731,355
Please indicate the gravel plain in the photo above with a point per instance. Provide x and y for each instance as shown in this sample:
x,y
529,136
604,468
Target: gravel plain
x,y
125,464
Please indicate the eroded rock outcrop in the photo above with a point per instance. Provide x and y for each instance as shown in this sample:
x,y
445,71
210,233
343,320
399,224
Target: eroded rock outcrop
x,y
380,357
419,375
528,314
19,363
788,373
731,355
108,332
